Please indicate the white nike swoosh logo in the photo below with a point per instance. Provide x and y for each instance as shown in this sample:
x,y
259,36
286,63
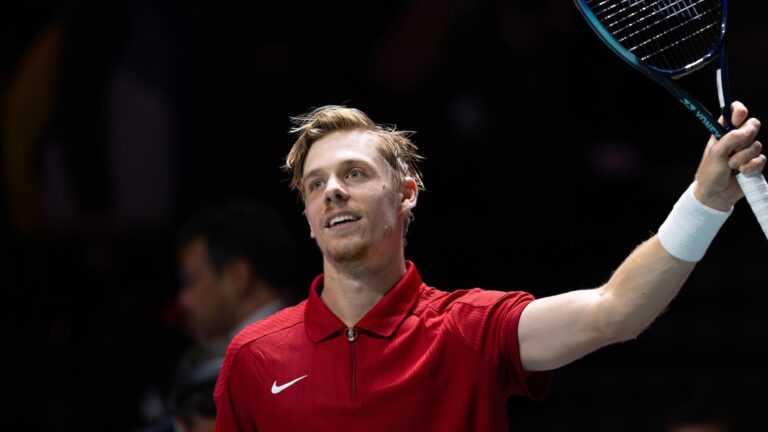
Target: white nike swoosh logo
x,y
278,388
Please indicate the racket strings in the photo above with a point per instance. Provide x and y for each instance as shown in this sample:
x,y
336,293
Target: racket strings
x,y
669,34
667,31
677,30
675,33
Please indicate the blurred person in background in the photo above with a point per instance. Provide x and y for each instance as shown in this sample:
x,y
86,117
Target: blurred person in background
x,y
237,266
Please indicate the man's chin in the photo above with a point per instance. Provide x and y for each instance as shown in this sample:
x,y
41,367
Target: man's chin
x,y
346,253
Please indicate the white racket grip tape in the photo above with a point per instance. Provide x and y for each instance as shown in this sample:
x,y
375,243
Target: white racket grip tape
x,y
690,227
756,190
719,80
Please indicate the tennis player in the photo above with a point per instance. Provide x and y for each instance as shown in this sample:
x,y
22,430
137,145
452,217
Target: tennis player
x,y
374,348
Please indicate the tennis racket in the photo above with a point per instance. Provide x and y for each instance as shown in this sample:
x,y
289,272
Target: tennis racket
x,y
667,39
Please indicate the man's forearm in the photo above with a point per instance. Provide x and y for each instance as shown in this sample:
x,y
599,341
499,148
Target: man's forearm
x,y
557,330
643,285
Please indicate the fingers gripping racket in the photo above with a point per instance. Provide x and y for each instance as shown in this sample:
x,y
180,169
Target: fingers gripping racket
x,y
667,39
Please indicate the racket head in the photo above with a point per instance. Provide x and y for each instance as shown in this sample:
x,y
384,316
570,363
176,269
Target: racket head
x,y
671,37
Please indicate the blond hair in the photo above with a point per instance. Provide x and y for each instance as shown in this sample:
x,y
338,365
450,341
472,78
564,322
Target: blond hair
x,y
395,146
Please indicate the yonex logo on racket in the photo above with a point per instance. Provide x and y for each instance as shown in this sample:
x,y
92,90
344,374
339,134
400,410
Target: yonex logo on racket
x,y
702,118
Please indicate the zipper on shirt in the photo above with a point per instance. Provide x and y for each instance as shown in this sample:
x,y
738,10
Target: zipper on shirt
x,y
351,337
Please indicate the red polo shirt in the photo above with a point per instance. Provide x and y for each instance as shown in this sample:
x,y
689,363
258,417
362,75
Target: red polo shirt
x,y
419,360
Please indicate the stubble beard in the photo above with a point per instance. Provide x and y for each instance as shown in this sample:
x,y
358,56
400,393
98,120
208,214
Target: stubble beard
x,y
347,251
351,250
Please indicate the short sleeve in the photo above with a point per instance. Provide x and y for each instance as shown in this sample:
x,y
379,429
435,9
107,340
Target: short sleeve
x,y
231,394
531,384
488,321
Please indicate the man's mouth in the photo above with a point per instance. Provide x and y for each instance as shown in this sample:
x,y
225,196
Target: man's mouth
x,y
341,220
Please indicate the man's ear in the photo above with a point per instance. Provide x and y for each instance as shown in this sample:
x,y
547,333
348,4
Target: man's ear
x,y
410,193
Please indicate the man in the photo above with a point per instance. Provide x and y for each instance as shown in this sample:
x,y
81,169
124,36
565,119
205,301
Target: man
x,y
237,268
373,348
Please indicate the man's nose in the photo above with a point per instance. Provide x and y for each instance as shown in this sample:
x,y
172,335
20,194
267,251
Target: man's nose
x,y
334,191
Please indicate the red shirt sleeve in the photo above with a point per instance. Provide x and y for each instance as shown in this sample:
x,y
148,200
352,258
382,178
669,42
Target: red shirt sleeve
x,y
535,384
231,397
488,321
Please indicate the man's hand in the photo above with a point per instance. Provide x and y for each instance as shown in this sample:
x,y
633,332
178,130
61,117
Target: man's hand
x,y
716,186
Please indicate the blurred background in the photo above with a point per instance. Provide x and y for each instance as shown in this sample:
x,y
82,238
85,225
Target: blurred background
x,y
547,161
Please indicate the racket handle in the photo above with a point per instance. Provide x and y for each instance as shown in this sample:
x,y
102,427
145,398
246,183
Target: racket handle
x,y
756,190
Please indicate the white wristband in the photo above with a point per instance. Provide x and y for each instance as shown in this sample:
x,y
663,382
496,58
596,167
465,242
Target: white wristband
x,y
690,227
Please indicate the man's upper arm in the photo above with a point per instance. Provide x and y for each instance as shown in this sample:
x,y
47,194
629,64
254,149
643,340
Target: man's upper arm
x,y
486,321
557,330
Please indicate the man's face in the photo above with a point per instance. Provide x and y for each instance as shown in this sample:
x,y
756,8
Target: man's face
x,y
205,301
354,208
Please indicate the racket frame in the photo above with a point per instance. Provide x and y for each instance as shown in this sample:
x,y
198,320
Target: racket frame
x,y
665,77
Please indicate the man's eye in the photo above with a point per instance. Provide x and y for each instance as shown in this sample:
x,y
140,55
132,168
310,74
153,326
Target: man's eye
x,y
315,185
355,173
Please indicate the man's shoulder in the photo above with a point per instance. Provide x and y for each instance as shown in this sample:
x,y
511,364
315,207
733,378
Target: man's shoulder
x,y
255,340
281,321
446,300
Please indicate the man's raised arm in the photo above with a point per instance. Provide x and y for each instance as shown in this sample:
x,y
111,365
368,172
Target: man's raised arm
x,y
557,330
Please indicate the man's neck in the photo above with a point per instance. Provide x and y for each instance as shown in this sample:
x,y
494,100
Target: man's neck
x,y
350,290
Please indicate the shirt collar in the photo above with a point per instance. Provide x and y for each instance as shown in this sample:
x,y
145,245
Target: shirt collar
x,y
383,319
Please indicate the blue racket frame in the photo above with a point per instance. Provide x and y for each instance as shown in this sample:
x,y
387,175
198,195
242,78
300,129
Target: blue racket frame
x,y
664,77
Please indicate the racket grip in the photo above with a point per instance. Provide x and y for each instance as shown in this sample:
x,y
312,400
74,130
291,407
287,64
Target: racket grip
x,y
756,191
